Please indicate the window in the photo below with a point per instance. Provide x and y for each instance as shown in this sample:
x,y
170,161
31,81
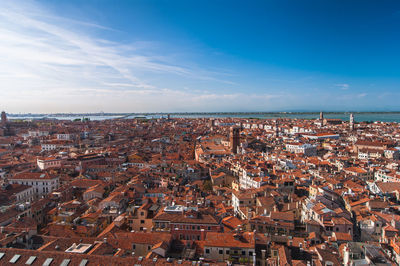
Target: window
x,y
250,253
220,251
209,228
243,252
142,221
227,251
207,251
148,247
337,229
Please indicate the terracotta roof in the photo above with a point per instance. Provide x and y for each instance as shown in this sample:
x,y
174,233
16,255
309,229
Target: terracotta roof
x,y
34,176
242,240
182,218
76,259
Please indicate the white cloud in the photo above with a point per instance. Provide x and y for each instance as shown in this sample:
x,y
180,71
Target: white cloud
x,y
55,64
58,66
343,86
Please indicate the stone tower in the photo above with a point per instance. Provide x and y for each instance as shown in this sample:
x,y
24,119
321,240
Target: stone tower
x,y
234,139
351,121
322,119
3,118
276,128
212,122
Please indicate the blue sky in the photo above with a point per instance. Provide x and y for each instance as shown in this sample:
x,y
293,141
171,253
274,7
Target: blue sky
x,y
173,56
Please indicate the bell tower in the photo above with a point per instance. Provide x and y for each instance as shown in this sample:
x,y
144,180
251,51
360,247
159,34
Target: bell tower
x,y
234,139
351,122
3,118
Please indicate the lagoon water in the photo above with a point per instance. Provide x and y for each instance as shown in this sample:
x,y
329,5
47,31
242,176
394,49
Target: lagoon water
x,y
359,116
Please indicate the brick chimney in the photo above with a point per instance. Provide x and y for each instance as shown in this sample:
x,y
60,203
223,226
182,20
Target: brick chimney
x,y
202,234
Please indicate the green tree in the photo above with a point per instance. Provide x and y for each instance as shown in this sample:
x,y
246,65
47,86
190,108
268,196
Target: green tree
x,y
207,185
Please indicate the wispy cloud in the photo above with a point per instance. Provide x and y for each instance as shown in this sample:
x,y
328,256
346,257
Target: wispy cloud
x,y
343,86
55,64
43,55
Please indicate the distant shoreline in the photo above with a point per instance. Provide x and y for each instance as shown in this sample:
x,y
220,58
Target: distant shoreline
x,y
192,113
344,116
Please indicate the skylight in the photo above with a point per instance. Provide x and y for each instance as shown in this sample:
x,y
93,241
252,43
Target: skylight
x,y
47,262
30,260
83,262
65,262
15,258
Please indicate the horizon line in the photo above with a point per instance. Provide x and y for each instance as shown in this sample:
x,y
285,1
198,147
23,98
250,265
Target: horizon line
x,y
199,112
